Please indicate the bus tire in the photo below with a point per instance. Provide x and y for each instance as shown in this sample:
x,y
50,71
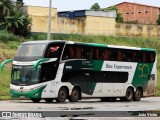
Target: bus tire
x,y
36,100
137,95
49,100
62,95
129,94
75,95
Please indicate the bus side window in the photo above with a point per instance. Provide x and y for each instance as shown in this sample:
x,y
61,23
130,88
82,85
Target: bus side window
x,y
144,55
53,51
120,55
71,52
94,55
133,56
65,53
148,57
87,53
97,53
128,56
106,54
78,52
138,57
101,54
114,55
152,57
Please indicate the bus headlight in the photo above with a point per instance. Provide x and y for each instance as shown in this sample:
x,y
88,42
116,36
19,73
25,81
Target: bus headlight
x,y
11,95
11,89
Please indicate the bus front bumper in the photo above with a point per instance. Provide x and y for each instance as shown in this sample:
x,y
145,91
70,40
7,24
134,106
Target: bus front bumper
x,y
30,94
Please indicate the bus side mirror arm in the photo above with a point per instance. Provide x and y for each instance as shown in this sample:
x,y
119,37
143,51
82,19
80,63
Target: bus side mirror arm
x,y
40,61
5,62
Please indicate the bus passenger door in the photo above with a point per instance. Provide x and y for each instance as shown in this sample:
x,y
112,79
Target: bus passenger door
x,y
48,75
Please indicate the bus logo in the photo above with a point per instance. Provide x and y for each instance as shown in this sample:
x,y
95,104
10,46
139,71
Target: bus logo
x,y
144,70
21,87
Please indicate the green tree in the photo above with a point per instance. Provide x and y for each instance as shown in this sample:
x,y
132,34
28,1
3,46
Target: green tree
x,y
6,8
25,28
158,21
18,23
95,7
119,15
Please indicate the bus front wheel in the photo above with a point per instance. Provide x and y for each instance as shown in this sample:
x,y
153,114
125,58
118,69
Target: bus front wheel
x,y
75,95
62,95
36,100
137,95
129,94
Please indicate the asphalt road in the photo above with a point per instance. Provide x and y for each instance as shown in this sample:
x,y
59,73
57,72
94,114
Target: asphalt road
x,y
147,108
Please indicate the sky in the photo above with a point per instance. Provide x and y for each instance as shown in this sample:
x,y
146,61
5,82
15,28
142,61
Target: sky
x,y
68,5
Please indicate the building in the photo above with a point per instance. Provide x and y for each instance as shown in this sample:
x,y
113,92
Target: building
x,y
72,22
138,13
91,21
39,16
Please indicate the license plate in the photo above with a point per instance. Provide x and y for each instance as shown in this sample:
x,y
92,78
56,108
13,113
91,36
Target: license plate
x,y
22,97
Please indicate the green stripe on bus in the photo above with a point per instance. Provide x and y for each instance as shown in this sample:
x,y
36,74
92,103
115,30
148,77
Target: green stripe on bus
x,y
97,64
97,45
142,74
148,49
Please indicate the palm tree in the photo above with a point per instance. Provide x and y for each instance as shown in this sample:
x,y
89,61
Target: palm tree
x,y
18,23
6,8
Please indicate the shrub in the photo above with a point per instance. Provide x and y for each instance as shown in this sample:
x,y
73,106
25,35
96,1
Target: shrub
x,y
6,36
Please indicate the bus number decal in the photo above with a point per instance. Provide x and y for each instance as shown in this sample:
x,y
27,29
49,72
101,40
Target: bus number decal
x,y
142,68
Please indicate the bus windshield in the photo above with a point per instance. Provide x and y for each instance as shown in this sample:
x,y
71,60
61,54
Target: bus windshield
x,y
26,50
25,75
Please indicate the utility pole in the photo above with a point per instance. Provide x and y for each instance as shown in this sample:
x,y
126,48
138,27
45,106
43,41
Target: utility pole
x,y
49,20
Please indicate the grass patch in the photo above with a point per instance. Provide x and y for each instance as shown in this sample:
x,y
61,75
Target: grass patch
x,y
6,37
5,98
5,83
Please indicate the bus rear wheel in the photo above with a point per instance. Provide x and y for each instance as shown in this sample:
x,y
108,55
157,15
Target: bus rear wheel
x,y
137,95
62,95
129,94
75,95
36,100
49,100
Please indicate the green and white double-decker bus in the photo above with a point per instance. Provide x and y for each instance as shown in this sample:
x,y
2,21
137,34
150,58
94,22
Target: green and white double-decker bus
x,y
63,70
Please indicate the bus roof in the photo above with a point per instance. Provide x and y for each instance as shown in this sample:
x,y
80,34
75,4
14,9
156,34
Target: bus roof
x,y
42,41
89,44
112,46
